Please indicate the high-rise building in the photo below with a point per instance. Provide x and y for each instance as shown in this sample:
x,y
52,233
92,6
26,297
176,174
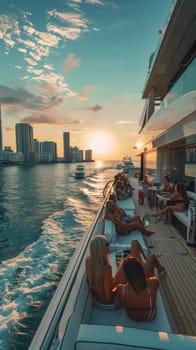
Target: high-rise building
x,y
36,145
1,141
88,155
48,151
66,145
76,154
24,141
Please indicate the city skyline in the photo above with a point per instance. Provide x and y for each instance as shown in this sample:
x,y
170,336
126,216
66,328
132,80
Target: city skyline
x,y
78,66
29,149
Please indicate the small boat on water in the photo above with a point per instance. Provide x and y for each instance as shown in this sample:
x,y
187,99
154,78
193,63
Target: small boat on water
x,y
80,172
119,166
127,164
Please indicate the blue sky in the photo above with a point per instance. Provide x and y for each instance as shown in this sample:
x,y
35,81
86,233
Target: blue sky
x,y
78,66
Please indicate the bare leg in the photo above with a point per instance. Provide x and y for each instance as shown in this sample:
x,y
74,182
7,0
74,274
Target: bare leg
x,y
138,226
151,263
136,249
166,217
137,219
164,210
140,196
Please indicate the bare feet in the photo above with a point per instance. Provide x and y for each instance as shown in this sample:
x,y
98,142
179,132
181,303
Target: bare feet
x,y
148,233
161,271
156,215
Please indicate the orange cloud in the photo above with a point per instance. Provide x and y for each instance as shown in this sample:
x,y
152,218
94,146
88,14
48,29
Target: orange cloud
x,y
70,63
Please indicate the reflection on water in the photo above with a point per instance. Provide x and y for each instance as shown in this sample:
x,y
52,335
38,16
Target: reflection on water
x,y
44,212
99,163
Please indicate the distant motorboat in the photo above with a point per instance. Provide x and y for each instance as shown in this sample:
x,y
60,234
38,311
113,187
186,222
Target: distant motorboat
x,y
127,163
119,166
80,172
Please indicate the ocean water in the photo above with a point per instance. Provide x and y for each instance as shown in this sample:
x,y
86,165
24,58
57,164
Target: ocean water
x,y
44,212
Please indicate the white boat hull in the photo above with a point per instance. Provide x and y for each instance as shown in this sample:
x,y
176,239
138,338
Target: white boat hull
x,y
74,322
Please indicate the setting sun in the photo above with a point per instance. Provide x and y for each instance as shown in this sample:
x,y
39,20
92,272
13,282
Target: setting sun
x,y
100,142
138,144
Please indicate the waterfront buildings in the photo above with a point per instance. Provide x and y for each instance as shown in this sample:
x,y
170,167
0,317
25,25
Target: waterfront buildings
x,y
36,144
66,146
48,151
74,154
29,150
24,141
88,155
1,142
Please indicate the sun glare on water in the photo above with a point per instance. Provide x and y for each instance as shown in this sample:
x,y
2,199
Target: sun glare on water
x,y
99,163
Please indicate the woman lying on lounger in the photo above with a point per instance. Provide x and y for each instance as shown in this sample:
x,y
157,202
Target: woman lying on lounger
x,y
122,214
99,269
123,228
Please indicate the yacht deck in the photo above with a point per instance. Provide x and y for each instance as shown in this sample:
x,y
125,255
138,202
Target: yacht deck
x,y
178,284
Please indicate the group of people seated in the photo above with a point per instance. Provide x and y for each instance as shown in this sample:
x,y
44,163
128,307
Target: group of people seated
x,y
177,201
124,223
176,197
122,187
145,184
134,287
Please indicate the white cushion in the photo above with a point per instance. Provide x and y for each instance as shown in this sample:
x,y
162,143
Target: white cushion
x,y
110,230
110,233
96,337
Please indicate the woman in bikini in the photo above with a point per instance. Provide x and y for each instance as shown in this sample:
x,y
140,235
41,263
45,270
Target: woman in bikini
x,y
179,201
119,212
99,269
123,228
138,296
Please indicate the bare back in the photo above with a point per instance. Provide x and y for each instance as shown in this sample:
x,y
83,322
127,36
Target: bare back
x,y
139,306
102,290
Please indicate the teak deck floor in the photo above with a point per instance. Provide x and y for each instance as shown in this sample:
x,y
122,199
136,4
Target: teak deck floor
x,y
178,284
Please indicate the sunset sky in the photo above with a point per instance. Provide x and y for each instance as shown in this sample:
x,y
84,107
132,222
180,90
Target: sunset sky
x,y
78,66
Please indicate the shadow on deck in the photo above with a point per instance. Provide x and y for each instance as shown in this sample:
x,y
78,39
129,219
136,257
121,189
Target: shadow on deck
x,y
178,284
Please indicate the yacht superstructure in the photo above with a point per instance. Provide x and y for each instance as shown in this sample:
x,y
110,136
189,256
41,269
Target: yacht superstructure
x,y
169,116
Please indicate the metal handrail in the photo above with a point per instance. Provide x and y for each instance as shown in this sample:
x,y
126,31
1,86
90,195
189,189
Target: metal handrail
x,y
48,328
106,189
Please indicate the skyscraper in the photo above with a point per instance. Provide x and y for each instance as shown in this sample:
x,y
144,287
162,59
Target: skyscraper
x,y
66,145
1,142
88,155
24,141
48,149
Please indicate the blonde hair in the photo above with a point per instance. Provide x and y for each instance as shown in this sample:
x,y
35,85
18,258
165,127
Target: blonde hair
x,y
97,259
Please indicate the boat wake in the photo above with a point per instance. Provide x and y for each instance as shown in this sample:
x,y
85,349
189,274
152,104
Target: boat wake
x,y
31,278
